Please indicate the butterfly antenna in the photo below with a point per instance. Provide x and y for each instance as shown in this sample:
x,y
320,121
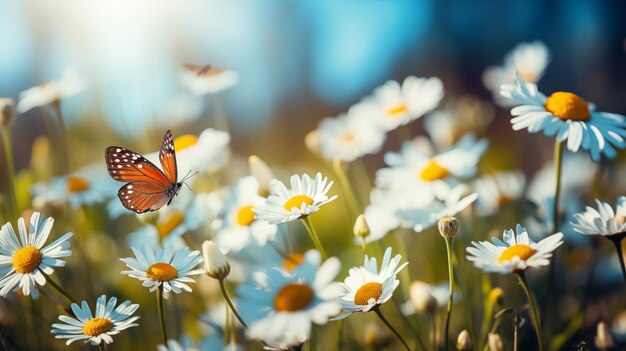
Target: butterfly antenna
x,y
188,176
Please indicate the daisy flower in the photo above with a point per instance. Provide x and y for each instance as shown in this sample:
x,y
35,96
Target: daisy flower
x,y
529,59
393,105
25,262
349,136
516,252
70,84
109,320
367,287
238,226
281,306
208,79
305,197
426,298
164,267
602,221
567,116
498,189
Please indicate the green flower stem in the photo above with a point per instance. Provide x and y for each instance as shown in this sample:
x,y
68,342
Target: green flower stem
x,y
347,188
161,314
533,307
56,107
558,159
433,332
101,345
57,287
382,318
313,234
617,241
451,280
364,246
282,253
10,171
340,341
230,304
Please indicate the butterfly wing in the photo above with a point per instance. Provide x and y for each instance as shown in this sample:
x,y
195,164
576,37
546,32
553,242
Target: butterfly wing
x,y
128,166
142,196
167,157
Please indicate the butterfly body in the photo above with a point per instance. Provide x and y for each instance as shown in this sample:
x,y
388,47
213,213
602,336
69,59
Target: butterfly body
x,y
147,187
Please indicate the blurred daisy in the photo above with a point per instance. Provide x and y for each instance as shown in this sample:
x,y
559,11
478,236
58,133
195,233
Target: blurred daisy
x,y
567,116
426,298
393,105
215,341
164,267
51,92
207,79
528,59
602,221
24,262
498,189
87,186
349,136
380,214
197,153
305,197
541,222
239,226
418,166
367,287
517,252
109,320
281,306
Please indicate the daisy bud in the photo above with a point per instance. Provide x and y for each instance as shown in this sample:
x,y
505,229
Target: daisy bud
x,y
215,263
361,228
7,112
464,341
448,226
263,174
496,296
495,342
421,298
604,337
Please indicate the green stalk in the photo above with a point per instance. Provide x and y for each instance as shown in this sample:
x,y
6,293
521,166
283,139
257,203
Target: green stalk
x,y
161,314
380,315
558,159
533,307
10,171
451,280
57,287
617,241
313,234
230,304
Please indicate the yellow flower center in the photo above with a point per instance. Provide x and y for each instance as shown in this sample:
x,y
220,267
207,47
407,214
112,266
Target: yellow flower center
x,y
97,326
184,141
26,259
522,251
245,216
173,220
76,184
297,201
371,290
433,171
162,272
568,106
293,297
292,261
396,110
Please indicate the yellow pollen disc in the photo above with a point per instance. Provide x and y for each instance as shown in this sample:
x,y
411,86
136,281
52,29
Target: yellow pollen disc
x,y
184,141
97,326
26,259
433,171
297,201
162,272
293,260
522,251
396,110
371,290
245,216
293,297
568,106
76,184
173,220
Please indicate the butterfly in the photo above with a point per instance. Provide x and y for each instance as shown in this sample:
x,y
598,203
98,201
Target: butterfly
x,y
148,188
205,70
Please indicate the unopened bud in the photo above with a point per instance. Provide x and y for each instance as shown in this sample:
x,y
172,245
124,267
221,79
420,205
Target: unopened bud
x,y
464,341
7,111
421,298
604,337
495,342
215,263
448,226
361,228
263,174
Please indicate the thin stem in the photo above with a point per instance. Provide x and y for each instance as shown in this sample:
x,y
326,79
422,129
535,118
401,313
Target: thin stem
x,y
515,329
533,307
617,241
345,184
57,287
382,318
558,159
313,234
226,325
451,280
230,304
282,253
56,107
433,320
340,336
101,346
161,314
364,246
10,170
